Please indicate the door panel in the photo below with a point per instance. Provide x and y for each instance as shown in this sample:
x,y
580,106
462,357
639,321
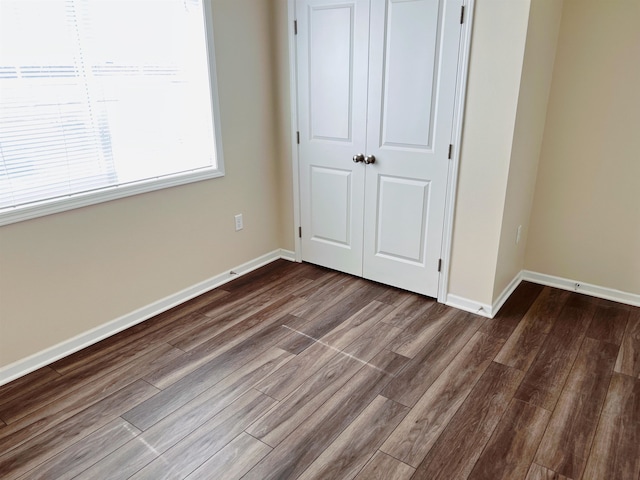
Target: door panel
x,y
330,47
412,68
331,206
332,57
410,49
402,207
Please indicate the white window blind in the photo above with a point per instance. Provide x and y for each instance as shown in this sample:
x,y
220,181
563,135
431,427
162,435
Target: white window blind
x,y
101,95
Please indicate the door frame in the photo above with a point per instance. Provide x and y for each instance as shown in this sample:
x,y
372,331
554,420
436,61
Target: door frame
x,y
456,138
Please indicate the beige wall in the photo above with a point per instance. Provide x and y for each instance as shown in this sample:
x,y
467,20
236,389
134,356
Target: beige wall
x,y
64,274
585,223
497,49
535,83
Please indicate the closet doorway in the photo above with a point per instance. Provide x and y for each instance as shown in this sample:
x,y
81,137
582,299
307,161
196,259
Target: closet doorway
x,y
376,102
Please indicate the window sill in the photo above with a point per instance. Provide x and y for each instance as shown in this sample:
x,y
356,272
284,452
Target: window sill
x,y
63,204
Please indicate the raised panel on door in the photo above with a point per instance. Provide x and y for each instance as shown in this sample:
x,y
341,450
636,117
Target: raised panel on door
x,y
332,59
331,201
413,67
403,205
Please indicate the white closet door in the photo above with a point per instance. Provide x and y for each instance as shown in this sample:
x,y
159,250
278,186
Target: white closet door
x,y
332,62
412,79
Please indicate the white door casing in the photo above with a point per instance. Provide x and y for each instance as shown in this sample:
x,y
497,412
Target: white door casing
x,y
377,78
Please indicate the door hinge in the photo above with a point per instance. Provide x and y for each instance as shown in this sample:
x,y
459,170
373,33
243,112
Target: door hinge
x,y
439,265
299,232
462,15
295,27
298,137
450,151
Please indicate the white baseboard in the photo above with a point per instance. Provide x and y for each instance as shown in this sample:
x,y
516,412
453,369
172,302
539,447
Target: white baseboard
x,y
67,347
467,305
484,309
581,287
287,255
506,293
542,279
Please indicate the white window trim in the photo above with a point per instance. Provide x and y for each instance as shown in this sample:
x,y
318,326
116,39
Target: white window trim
x,y
84,199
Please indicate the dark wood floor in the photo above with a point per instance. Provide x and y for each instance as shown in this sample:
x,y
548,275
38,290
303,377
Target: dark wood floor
x,y
294,371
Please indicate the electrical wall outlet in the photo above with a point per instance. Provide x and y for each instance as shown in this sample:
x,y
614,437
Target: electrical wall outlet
x,y
518,234
239,224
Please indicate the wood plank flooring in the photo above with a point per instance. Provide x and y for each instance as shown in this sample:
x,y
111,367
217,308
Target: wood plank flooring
x,y
294,371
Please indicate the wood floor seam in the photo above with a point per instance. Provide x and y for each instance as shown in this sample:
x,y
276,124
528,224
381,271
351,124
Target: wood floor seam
x,y
599,419
395,458
272,398
472,467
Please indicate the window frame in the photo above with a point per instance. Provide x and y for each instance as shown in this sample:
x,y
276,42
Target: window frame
x,y
83,199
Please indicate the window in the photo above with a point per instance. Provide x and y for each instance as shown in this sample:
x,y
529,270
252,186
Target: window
x,y
101,99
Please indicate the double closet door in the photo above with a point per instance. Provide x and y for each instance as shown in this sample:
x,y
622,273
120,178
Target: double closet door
x,y
376,93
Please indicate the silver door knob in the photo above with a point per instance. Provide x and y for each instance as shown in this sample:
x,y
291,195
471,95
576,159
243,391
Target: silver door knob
x,y
358,158
369,159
